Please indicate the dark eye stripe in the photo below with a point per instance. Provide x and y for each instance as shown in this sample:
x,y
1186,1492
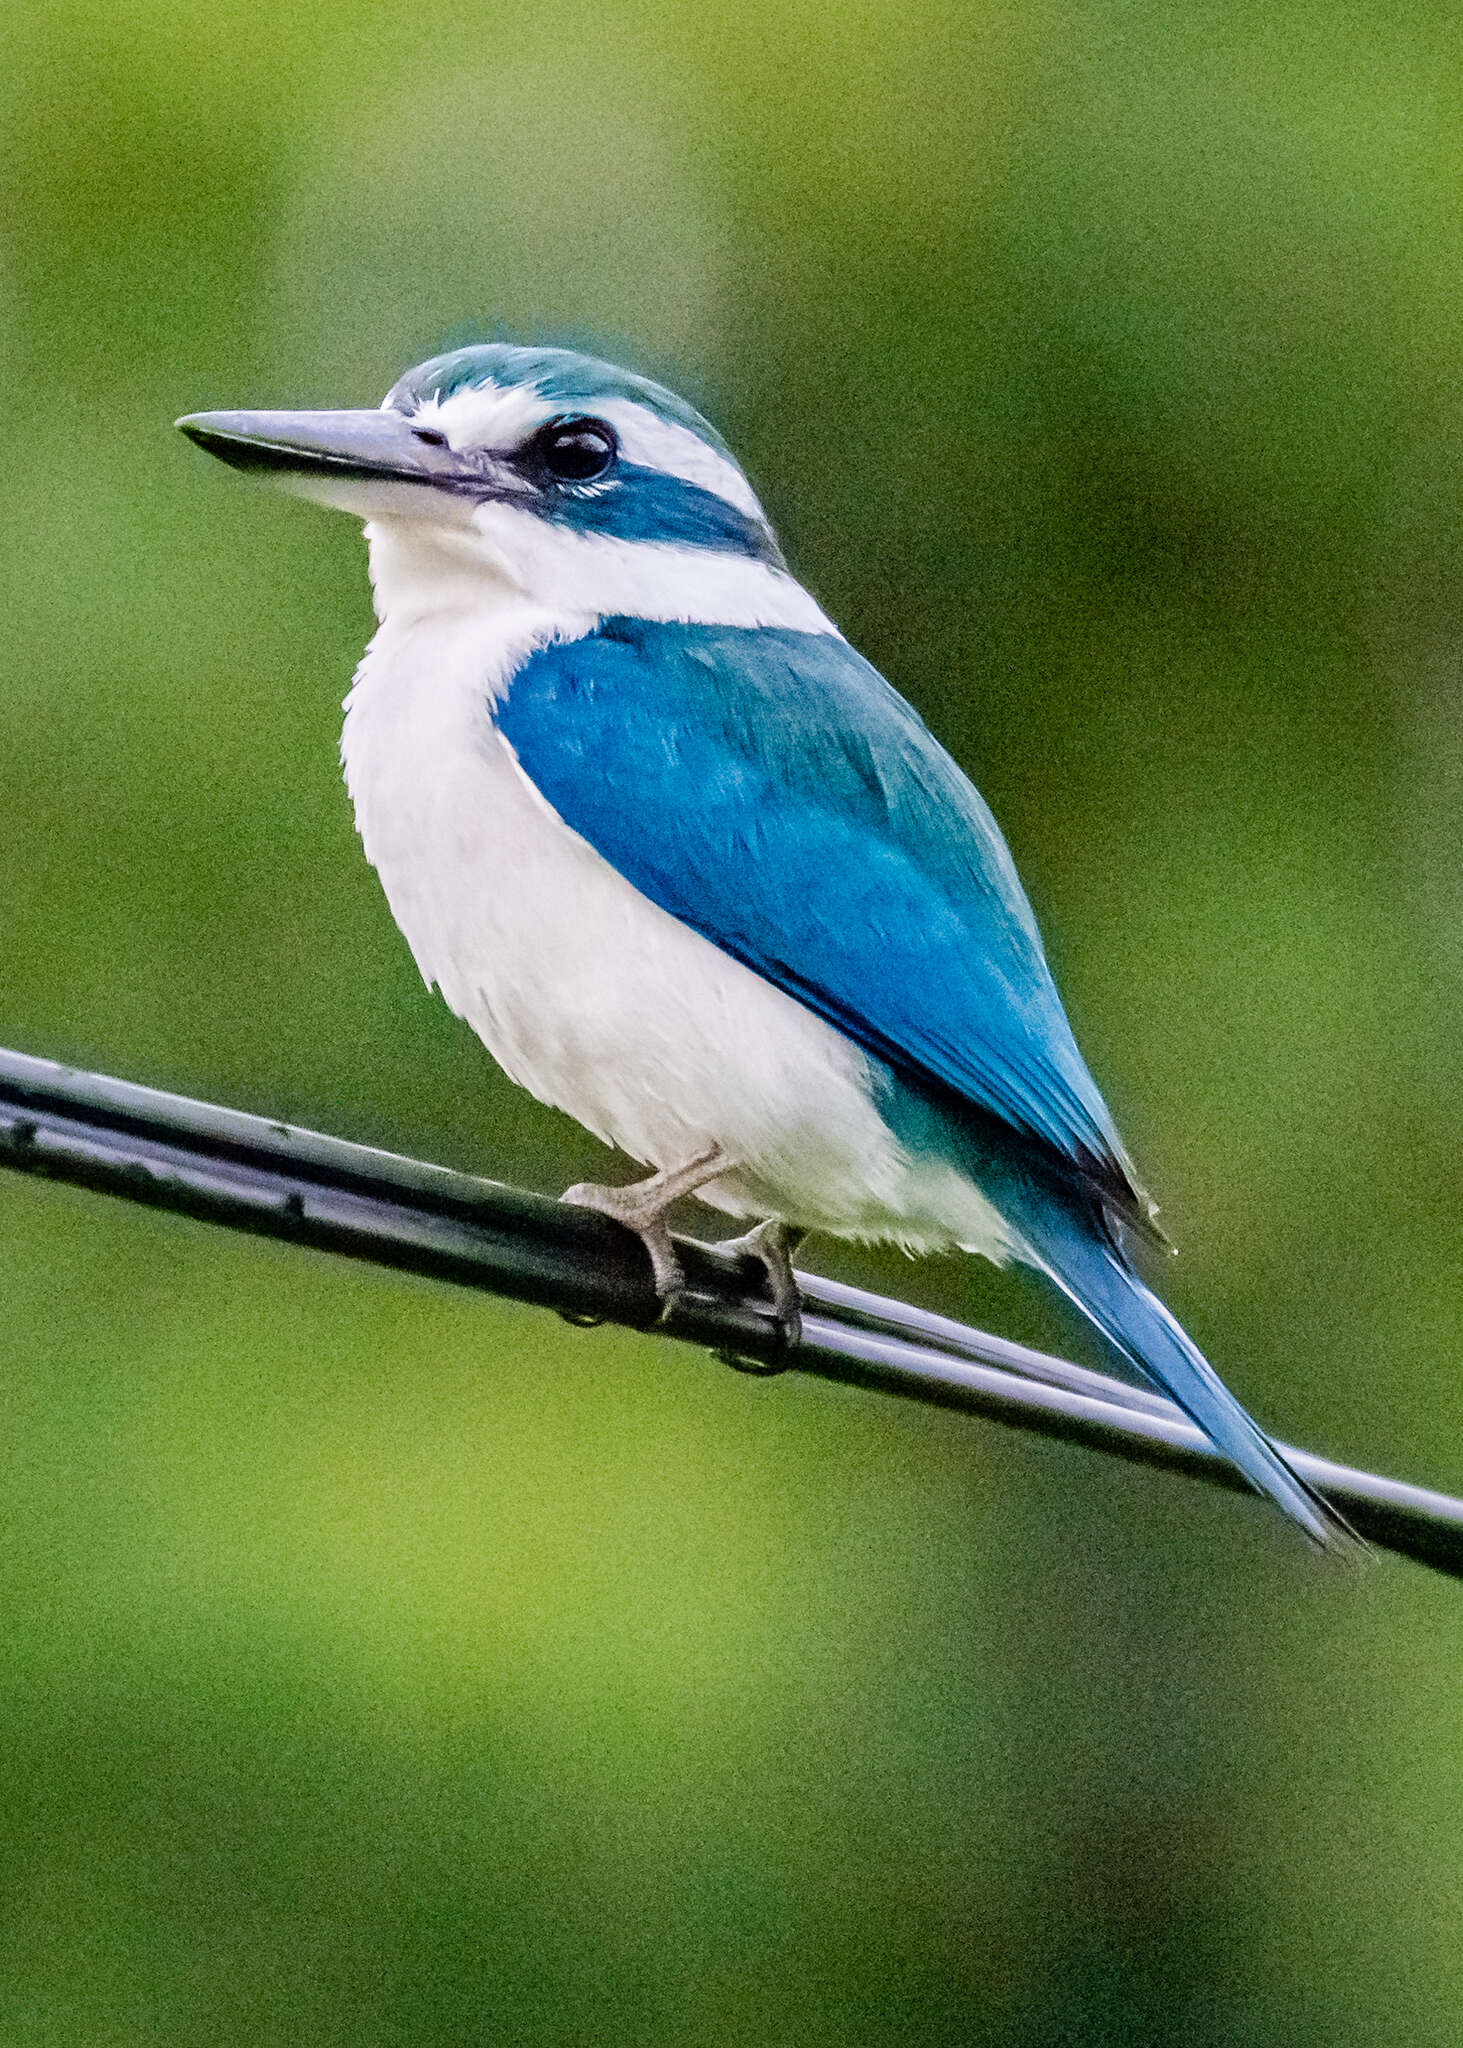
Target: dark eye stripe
x,y
650,505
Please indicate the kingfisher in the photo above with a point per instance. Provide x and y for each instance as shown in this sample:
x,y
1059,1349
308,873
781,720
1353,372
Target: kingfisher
x,y
689,866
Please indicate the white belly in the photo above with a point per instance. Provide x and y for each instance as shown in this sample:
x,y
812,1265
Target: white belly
x,y
592,997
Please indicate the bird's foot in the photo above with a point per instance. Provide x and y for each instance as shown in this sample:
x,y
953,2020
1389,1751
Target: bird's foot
x,y
665,1268
641,1208
772,1244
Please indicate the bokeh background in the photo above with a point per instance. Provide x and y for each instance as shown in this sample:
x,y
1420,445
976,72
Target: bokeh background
x,y
384,1666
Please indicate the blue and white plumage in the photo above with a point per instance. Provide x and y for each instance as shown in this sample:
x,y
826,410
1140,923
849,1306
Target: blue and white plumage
x,y
689,867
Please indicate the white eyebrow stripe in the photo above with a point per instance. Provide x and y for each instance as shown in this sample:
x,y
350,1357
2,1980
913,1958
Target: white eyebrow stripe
x,y
654,443
488,415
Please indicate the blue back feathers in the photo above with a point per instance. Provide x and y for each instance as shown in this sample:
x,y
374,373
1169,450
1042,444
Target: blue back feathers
x,y
769,789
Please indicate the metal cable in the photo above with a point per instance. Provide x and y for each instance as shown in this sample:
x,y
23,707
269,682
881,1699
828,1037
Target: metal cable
x,y
249,1173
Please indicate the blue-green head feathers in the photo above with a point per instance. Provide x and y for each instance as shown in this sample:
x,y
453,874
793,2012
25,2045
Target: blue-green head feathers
x,y
564,377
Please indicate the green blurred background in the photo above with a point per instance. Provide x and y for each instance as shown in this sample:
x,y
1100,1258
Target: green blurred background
x,y
385,1666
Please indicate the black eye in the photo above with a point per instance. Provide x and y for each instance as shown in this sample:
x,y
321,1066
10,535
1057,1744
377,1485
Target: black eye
x,y
575,451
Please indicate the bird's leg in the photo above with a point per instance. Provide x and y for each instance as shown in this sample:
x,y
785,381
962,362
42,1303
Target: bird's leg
x,y
642,1206
773,1244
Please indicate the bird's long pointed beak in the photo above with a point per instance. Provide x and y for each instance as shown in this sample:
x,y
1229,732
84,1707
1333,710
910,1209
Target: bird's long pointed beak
x,y
363,462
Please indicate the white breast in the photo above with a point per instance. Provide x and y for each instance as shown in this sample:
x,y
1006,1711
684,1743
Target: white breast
x,y
588,994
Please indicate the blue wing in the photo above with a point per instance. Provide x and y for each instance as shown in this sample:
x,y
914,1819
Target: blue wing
x,y
768,788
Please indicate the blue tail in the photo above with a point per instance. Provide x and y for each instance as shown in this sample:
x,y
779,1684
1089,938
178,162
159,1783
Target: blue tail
x,y
1071,1243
